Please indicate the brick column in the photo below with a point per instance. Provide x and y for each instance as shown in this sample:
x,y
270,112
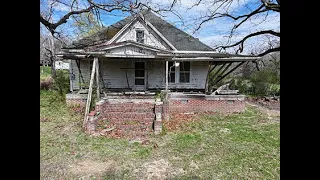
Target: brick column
x,y
91,122
158,120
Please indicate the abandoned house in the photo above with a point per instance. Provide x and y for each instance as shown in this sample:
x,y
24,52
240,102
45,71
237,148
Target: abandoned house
x,y
124,65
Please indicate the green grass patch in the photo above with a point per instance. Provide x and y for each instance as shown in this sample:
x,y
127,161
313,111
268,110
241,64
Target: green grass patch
x,y
45,71
239,146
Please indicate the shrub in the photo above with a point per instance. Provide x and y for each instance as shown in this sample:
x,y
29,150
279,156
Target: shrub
x,y
61,82
265,82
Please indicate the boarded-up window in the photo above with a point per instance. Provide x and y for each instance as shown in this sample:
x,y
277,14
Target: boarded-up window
x,y
140,36
172,72
185,72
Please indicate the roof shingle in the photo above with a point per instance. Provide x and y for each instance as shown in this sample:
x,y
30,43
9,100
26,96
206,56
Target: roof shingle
x,y
178,38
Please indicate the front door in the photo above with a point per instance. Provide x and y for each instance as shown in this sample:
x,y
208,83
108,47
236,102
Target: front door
x,y
139,75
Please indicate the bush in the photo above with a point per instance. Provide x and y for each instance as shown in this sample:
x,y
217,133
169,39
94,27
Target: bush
x,y
46,83
265,82
244,86
61,82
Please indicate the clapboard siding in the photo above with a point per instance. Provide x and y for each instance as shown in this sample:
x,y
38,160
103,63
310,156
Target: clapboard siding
x,y
150,37
198,71
113,74
156,74
84,68
75,71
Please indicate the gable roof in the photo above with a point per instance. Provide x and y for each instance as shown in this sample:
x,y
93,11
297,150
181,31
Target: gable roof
x,y
178,38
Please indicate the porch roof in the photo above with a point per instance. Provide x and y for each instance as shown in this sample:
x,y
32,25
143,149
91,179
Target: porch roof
x,y
160,55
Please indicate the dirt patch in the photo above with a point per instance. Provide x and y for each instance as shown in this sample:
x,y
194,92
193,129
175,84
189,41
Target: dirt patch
x,y
157,170
178,120
272,115
90,167
269,103
44,119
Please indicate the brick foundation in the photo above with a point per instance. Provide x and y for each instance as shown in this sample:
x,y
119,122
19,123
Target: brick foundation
x,y
205,106
125,119
139,117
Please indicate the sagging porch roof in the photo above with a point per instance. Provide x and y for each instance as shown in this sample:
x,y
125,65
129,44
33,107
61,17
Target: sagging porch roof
x,y
102,51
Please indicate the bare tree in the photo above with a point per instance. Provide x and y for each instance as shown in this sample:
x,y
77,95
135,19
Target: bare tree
x,y
91,8
77,7
221,9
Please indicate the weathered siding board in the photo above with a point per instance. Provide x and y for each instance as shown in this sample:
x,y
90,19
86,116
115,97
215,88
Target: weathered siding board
x,y
84,68
113,74
156,74
131,50
75,71
150,37
85,71
198,72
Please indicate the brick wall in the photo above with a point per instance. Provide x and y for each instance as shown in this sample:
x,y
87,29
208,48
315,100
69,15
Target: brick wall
x,y
125,119
205,106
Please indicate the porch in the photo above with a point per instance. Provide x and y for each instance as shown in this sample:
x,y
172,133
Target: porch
x,y
125,82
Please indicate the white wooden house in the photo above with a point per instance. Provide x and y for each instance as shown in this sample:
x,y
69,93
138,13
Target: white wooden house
x,y
61,65
144,52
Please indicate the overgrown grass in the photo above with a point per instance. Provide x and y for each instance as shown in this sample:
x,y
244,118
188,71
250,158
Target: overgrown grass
x,y
45,73
241,146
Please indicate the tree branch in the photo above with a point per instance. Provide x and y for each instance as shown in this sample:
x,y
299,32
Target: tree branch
x,y
246,16
249,36
269,51
271,6
52,26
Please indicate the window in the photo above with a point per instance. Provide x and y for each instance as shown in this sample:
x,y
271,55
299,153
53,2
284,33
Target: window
x,y
171,72
140,36
139,73
184,72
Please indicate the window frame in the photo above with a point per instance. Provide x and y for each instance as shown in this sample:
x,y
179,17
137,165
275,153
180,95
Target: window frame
x,y
171,72
184,71
143,36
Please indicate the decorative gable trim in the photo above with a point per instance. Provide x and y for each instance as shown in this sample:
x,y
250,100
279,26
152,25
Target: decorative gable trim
x,y
121,31
158,33
139,45
143,21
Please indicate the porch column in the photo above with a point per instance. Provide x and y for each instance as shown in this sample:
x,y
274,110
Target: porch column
x,y
97,78
71,76
167,65
90,91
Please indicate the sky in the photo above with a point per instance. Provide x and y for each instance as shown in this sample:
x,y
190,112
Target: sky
x,y
212,33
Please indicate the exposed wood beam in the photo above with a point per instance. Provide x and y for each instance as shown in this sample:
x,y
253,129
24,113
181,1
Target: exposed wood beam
x,y
101,75
167,66
90,92
222,73
207,78
229,72
97,78
214,75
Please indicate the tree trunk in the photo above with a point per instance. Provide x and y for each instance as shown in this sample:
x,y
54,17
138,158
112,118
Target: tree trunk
x,y
53,58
